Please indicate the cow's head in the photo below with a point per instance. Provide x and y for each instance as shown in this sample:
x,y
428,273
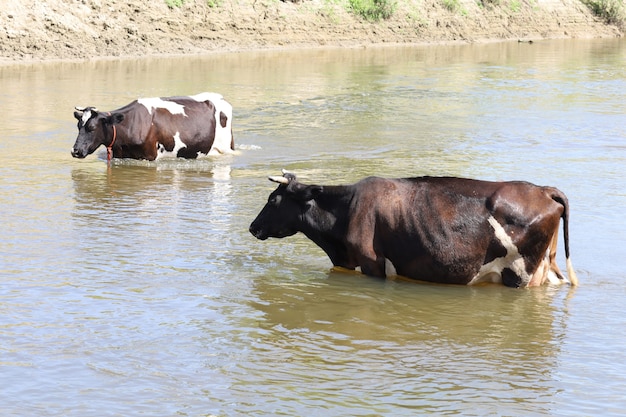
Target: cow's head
x,y
284,213
94,129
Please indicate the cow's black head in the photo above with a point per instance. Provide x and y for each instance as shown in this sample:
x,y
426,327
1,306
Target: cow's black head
x,y
94,129
284,213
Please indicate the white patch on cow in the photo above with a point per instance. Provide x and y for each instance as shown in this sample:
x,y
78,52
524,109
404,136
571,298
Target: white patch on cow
x,y
553,279
223,135
390,270
159,103
492,271
86,116
212,97
178,145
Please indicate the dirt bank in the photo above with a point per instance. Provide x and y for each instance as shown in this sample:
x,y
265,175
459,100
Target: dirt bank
x,y
85,29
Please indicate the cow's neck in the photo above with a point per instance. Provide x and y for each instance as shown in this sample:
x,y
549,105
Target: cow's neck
x,y
326,223
124,146
121,132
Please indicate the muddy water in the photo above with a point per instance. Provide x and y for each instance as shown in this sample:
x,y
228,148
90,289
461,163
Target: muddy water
x,y
136,289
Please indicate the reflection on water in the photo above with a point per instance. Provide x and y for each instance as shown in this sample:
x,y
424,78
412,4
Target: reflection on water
x,y
414,347
524,317
136,288
171,205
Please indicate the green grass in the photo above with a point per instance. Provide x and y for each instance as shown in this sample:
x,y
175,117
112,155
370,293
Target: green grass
x,y
489,3
515,6
373,10
174,3
612,11
452,5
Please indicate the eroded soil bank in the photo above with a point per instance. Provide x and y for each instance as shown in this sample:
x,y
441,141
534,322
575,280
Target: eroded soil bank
x,y
33,30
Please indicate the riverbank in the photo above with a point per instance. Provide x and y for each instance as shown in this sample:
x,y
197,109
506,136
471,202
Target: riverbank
x,y
36,30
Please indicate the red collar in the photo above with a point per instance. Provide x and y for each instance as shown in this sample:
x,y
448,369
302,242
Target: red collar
x,y
110,147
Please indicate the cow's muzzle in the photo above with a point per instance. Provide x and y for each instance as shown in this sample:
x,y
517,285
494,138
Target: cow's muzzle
x,y
258,233
77,154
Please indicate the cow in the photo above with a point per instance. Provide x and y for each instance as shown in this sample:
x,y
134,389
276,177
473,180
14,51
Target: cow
x,y
151,128
437,229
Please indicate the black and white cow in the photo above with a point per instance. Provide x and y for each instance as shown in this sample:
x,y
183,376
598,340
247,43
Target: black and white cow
x,y
437,229
150,128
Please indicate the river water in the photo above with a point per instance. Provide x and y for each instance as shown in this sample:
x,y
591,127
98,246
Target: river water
x,y
136,289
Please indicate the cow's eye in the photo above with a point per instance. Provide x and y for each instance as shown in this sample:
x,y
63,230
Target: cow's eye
x,y
275,200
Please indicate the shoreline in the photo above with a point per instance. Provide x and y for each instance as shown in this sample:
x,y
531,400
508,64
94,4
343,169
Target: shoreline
x,y
35,32
304,47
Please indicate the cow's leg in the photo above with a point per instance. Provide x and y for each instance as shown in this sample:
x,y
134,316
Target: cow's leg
x,y
548,271
370,263
541,274
367,259
361,243
541,238
552,255
375,269
151,145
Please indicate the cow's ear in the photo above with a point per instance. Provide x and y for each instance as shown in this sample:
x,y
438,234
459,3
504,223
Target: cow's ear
x,y
315,190
309,192
78,115
115,118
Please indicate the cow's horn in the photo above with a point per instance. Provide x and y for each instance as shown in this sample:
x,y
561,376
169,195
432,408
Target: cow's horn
x,y
82,109
280,180
289,175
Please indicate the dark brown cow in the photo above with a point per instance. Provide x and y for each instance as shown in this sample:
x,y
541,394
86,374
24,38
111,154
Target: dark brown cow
x,y
438,229
150,128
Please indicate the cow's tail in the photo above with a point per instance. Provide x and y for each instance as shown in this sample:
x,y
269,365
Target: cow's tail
x,y
560,198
